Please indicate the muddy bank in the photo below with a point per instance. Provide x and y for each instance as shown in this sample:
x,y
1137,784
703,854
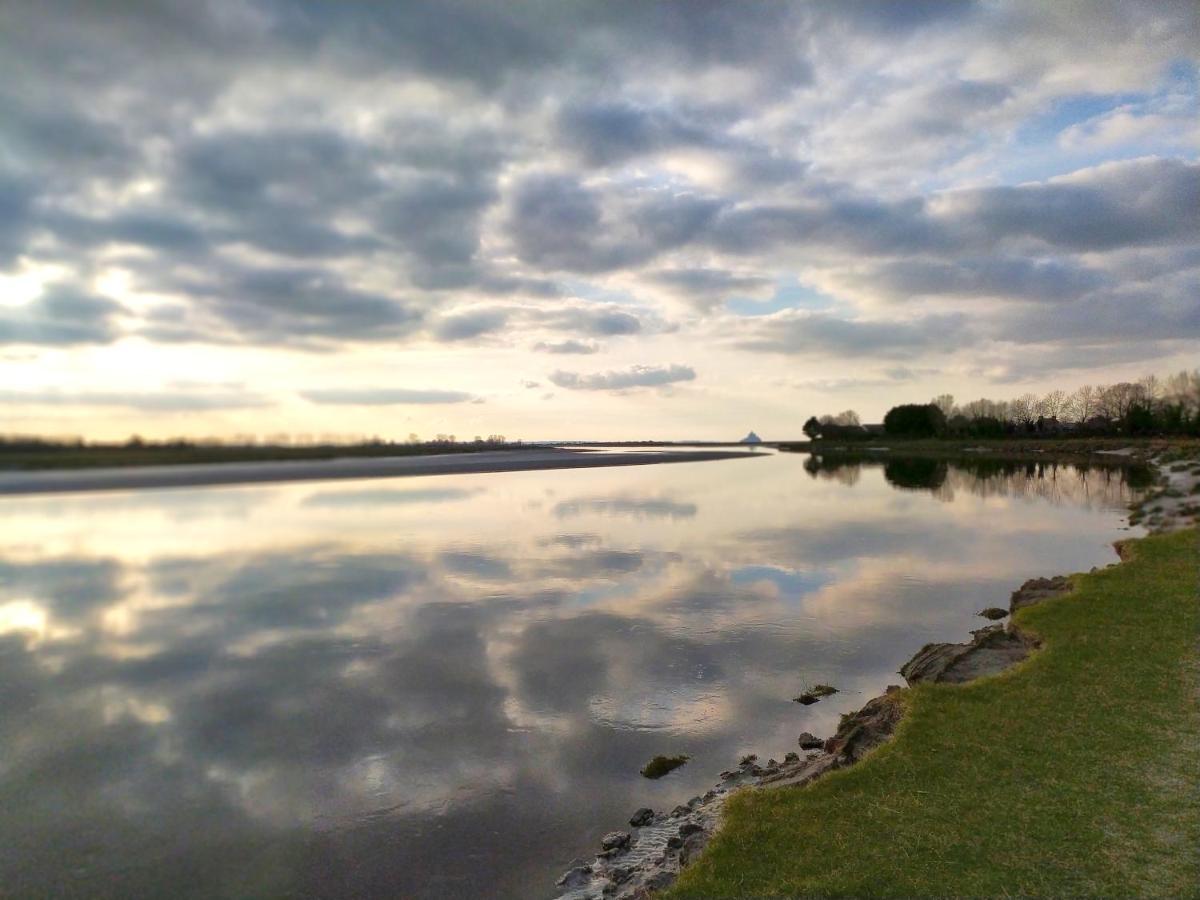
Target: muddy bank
x,y
648,857
208,474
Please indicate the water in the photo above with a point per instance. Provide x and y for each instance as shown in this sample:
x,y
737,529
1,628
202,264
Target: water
x,y
446,686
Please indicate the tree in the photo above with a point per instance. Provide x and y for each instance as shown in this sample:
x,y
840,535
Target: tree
x,y
945,402
1054,404
915,420
812,428
847,417
1082,405
1024,409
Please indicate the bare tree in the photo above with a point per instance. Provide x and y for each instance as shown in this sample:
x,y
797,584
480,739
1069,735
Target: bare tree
x,y
847,417
945,402
1083,403
1024,409
1054,404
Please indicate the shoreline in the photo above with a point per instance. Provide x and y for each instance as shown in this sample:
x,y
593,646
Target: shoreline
x,y
58,481
649,859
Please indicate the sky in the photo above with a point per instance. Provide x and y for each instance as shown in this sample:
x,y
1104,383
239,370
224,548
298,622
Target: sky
x,y
567,220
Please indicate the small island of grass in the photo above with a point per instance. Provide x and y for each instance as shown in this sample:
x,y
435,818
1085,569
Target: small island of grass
x,y
661,765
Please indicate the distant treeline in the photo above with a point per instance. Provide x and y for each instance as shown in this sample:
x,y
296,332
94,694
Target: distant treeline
x,y
1150,406
23,452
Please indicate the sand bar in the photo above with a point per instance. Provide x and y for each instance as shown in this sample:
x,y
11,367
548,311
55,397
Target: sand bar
x,y
205,474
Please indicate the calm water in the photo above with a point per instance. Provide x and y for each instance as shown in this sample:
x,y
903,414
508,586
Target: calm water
x,y
445,687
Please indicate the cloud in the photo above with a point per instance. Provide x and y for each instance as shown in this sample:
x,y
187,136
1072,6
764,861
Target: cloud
x,y
172,401
571,346
705,289
245,176
635,377
810,333
63,315
1119,204
475,323
382,396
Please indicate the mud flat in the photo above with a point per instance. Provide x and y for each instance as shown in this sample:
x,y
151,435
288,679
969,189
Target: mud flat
x,y
201,475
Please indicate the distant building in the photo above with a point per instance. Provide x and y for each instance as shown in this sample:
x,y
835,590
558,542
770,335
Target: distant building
x,y
751,438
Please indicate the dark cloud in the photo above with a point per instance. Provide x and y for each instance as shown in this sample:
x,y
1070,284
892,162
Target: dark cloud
x,y
304,305
570,346
558,223
997,277
1119,204
169,401
828,335
382,396
63,315
466,325
635,377
593,322
609,133
706,289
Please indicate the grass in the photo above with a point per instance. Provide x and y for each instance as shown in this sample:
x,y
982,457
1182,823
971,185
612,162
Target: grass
x,y
1076,773
661,765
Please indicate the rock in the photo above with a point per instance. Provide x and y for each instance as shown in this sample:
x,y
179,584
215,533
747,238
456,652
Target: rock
x,y
576,877
689,828
809,741
808,699
680,810
643,816
771,763
823,690
660,880
709,795
892,688
748,759
866,729
1035,590
992,649
674,842
691,848
615,840
993,613
726,775
791,757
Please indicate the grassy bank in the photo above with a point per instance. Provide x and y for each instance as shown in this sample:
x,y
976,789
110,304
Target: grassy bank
x,y
1075,773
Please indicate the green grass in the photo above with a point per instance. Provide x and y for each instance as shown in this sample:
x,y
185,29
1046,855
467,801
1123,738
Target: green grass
x,y
1076,773
661,765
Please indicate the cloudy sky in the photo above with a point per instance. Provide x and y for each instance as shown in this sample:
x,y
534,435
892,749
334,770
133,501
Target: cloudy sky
x,y
564,219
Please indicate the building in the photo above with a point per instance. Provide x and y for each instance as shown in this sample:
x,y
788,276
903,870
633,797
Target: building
x,y
751,438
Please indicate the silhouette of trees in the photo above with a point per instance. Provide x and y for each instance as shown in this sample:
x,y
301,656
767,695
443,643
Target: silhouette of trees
x,y
915,420
1152,405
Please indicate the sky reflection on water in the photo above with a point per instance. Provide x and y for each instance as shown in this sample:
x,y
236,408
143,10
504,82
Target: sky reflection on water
x,y
446,686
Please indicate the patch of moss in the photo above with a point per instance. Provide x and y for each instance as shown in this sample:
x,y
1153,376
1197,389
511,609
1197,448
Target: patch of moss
x,y
661,765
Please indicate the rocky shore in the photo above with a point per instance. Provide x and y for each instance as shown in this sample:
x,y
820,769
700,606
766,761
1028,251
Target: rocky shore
x,y
648,857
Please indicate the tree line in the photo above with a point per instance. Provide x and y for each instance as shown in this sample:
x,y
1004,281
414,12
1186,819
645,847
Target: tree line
x,y
1151,405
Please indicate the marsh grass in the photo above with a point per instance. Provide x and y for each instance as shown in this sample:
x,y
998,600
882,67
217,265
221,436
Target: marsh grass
x,y
1073,774
661,765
